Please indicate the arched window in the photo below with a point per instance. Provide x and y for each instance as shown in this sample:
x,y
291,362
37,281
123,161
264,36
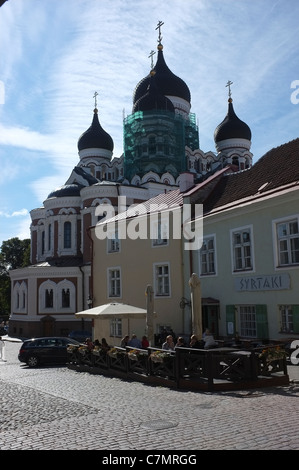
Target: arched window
x,y
65,298
49,237
20,297
43,242
49,298
235,161
67,235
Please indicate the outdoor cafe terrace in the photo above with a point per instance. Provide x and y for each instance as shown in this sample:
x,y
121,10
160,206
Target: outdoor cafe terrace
x,y
236,367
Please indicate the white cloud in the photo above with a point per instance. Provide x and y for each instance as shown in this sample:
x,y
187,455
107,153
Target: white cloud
x,y
54,55
19,213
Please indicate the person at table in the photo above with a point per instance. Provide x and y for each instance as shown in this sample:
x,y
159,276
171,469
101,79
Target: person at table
x,y
195,343
209,341
105,345
144,342
89,344
169,344
124,341
134,342
180,343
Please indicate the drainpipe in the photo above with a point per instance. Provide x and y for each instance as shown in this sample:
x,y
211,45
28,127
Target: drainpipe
x,y
83,297
91,263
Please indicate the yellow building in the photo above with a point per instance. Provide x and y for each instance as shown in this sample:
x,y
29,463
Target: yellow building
x,y
143,252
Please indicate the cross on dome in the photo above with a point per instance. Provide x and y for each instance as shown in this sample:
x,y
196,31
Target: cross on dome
x,y
95,99
152,53
159,28
229,83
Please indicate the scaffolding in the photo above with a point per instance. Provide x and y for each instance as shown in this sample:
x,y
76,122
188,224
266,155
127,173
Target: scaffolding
x,y
155,141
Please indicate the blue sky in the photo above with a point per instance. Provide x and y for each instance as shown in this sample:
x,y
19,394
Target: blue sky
x,y
54,54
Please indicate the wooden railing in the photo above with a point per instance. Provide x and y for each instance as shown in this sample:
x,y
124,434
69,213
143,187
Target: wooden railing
x,y
185,367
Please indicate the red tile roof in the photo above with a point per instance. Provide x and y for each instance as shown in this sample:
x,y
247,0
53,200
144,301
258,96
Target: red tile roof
x,y
277,168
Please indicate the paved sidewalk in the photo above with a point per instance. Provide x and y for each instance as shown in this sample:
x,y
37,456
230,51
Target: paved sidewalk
x,y
54,408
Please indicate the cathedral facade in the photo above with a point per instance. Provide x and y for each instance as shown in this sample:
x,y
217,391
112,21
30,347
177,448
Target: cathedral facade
x,y
161,153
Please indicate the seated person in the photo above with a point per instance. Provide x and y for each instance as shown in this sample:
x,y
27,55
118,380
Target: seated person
x,y
105,345
169,344
134,342
180,343
195,343
124,341
144,342
89,344
209,341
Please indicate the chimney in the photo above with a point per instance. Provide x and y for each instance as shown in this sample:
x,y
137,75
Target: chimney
x,y
186,181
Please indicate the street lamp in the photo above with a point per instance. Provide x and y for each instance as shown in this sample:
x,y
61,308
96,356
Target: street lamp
x,y
185,302
89,301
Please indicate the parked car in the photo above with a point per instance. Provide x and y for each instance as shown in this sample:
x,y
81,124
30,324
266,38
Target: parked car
x,y
48,350
80,335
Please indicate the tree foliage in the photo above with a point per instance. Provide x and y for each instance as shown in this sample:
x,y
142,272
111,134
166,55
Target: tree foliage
x,y
14,254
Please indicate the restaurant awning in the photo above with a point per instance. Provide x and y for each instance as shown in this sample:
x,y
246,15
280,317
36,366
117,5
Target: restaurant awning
x,y
111,310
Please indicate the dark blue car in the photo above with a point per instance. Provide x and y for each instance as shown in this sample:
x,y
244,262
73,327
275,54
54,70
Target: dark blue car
x,y
48,350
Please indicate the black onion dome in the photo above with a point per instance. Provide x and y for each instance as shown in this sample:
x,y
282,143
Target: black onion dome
x,y
67,190
95,136
167,82
232,127
153,99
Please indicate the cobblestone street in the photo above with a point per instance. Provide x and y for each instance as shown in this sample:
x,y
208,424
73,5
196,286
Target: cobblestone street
x,y
54,408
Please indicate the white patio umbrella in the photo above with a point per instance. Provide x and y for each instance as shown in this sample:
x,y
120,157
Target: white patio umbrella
x,y
113,310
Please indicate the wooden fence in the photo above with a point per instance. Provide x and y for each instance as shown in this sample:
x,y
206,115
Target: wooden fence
x,y
186,368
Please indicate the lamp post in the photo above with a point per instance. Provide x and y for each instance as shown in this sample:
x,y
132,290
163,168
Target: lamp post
x,y
185,302
89,301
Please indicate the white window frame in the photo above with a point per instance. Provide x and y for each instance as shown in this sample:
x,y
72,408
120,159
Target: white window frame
x,y
286,318
160,230
113,243
247,326
66,284
276,240
110,280
20,296
162,276
67,215
116,327
57,296
243,245
208,252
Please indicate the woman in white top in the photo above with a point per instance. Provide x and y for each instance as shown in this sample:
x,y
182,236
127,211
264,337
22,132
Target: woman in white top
x,y
209,340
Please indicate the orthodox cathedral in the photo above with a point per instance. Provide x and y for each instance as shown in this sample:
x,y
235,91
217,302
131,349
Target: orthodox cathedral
x,y
161,153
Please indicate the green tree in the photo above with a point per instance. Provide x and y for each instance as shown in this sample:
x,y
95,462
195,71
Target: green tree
x,y
14,253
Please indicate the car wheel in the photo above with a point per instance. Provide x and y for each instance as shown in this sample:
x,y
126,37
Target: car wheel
x,y
32,361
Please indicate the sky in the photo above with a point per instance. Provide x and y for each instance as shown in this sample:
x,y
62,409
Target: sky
x,y
54,55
